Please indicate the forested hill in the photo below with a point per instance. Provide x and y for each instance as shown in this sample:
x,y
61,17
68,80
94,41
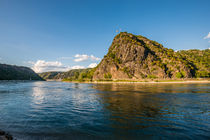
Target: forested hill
x,y
71,75
12,72
200,59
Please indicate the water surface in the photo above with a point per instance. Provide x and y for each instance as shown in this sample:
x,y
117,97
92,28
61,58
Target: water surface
x,y
57,110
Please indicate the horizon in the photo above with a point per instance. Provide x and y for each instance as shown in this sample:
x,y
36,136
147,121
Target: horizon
x,y
55,36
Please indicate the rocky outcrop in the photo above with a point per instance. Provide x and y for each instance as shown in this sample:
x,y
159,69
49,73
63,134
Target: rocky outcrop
x,y
5,136
134,57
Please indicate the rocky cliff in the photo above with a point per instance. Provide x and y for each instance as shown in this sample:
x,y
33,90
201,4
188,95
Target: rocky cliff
x,y
134,57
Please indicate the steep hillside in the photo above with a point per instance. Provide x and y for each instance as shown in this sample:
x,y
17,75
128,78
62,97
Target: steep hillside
x,y
134,57
200,59
12,72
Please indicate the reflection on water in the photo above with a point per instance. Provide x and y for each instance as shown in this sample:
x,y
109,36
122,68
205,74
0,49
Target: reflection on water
x,y
149,110
56,110
38,93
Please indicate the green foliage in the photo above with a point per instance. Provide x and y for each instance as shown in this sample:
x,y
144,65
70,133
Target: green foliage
x,y
153,69
180,74
151,76
202,74
107,76
112,55
199,60
72,75
127,71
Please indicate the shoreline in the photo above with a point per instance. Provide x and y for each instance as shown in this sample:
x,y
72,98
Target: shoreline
x,y
144,82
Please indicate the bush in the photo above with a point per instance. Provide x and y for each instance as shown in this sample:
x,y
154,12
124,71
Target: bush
x,y
107,76
180,74
151,76
202,74
112,55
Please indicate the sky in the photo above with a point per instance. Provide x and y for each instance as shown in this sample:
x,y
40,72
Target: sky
x,y
58,35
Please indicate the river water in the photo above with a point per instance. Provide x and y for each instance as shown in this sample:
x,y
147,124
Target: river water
x,y
62,111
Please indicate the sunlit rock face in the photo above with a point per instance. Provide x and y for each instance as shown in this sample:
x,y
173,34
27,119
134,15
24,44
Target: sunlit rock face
x,y
133,57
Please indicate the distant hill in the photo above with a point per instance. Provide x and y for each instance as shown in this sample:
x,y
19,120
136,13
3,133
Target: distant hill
x,y
12,72
50,75
134,57
71,75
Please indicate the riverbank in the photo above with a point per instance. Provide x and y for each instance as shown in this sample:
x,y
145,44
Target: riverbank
x,y
147,81
5,136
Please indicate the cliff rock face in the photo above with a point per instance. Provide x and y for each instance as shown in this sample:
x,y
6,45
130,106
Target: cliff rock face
x,y
134,57
12,72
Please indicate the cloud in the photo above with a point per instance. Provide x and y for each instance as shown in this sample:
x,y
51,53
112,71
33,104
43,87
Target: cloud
x,y
84,57
93,58
65,58
207,37
46,66
43,66
77,67
79,58
92,65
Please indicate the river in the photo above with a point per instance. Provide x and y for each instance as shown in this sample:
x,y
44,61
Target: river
x,y
57,110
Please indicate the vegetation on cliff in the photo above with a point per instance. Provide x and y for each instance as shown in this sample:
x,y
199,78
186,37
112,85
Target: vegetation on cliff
x,y
12,72
200,59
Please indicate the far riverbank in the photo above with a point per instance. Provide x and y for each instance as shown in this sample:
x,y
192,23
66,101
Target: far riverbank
x,y
145,81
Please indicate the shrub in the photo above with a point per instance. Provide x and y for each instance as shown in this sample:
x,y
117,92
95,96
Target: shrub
x,y
202,74
112,55
180,74
151,76
107,76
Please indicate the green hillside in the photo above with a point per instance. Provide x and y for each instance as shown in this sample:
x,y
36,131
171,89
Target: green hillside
x,y
12,72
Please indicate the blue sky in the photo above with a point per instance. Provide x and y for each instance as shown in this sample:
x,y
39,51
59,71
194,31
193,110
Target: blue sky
x,y
48,34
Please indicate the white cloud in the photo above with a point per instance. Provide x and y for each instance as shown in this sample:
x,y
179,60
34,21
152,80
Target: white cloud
x,y
80,58
93,58
46,66
65,58
84,57
43,66
207,37
77,67
92,65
